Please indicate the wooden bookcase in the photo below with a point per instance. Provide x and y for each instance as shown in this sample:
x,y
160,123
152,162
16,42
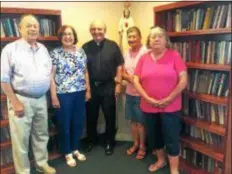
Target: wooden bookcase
x,y
163,18
49,39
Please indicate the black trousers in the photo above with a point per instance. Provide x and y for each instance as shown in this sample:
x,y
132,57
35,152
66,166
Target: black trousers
x,y
163,129
102,96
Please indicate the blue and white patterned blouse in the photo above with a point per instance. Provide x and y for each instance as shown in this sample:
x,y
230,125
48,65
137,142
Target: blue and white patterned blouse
x,y
70,70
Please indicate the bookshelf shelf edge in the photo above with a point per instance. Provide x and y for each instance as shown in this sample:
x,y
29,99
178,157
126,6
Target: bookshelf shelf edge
x,y
30,11
188,167
208,98
47,38
212,67
200,32
4,123
213,128
174,5
206,149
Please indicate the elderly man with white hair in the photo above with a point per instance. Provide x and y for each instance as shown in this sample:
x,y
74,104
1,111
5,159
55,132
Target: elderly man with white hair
x,y
104,65
25,79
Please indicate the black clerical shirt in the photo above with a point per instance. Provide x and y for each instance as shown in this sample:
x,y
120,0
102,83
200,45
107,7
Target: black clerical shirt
x,y
103,60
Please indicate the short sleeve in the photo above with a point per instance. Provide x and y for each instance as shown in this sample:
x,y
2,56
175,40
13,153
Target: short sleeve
x,y
139,66
118,56
54,57
6,67
179,64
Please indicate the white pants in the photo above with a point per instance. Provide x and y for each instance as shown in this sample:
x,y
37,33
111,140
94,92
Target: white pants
x,y
34,125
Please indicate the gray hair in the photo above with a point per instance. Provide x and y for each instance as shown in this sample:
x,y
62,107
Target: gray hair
x,y
164,32
98,22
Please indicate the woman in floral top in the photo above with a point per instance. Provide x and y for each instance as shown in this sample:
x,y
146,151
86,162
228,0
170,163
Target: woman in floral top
x,y
69,90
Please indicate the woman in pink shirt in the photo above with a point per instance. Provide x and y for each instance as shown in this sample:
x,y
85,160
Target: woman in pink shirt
x,y
160,77
133,112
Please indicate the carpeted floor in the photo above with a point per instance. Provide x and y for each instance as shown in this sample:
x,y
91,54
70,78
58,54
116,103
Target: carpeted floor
x,y
98,163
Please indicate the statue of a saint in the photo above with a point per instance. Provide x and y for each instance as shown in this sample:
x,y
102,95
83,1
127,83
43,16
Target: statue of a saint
x,y
126,22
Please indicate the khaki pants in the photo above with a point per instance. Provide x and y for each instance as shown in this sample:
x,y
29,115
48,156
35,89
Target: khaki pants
x,y
34,123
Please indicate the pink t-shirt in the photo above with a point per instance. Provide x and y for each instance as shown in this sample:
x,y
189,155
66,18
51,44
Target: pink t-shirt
x,y
159,79
131,59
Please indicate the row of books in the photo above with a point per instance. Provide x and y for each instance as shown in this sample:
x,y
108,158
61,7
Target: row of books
x,y
200,160
6,156
208,82
203,135
5,134
4,111
10,27
205,111
209,52
213,17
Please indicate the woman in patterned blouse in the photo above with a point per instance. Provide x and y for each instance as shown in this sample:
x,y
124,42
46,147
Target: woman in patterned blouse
x,y
69,90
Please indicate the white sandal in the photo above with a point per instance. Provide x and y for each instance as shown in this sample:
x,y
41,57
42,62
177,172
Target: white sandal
x,y
79,156
71,162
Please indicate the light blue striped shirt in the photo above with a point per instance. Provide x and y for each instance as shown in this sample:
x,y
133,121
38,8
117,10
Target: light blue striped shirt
x,y
27,69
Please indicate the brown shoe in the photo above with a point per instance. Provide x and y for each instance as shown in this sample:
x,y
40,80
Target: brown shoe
x,y
46,169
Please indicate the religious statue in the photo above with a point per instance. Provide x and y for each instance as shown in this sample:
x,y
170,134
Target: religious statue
x,y
126,22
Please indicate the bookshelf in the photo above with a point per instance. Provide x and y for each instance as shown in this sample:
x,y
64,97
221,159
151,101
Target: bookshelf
x,y
40,39
50,21
201,32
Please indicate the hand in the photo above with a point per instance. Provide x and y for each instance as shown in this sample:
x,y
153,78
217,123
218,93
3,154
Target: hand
x,y
164,102
55,102
131,79
117,90
18,108
87,95
153,102
116,80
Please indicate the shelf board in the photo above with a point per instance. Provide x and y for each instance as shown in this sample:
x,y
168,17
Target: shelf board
x,y
208,66
30,11
210,127
47,38
207,149
5,144
4,123
191,169
3,97
200,32
10,168
208,98
175,5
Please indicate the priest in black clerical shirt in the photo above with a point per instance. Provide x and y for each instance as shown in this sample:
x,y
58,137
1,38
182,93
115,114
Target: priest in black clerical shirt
x,y
104,65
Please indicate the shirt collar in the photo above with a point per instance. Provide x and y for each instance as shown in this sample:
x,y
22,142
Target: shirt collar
x,y
28,46
99,43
